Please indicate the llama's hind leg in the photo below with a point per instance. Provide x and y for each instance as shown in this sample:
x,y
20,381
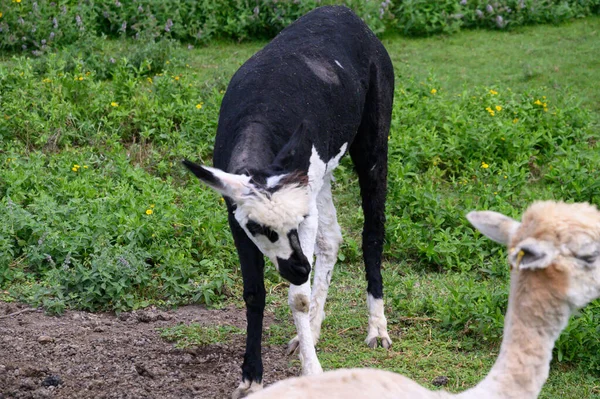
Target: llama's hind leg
x,y
369,154
329,237
373,189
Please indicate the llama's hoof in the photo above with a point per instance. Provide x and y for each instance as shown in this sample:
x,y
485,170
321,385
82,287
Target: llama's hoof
x,y
246,388
293,346
372,343
386,342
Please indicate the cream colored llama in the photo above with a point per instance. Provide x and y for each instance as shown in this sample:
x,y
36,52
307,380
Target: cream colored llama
x,y
553,254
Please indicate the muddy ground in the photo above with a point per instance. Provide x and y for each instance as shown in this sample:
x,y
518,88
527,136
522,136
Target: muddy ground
x,y
89,355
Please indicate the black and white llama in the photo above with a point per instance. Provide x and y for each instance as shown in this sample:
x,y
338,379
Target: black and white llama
x,y
323,87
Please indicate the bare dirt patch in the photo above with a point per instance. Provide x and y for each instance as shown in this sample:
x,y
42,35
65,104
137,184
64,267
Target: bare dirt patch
x,y
91,355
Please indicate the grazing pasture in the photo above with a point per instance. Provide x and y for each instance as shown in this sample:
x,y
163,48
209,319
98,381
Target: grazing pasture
x,y
98,215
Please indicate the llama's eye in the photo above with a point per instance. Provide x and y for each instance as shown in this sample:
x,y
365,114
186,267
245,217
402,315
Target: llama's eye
x,y
270,234
255,228
589,258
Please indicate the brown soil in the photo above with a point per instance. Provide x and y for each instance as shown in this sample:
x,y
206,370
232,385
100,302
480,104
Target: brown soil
x,y
90,355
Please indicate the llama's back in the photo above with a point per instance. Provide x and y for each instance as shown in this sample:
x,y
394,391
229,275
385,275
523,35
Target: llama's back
x,y
350,384
316,73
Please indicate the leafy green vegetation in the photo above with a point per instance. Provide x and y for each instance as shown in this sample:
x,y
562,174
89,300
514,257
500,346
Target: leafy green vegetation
x,y
36,27
98,214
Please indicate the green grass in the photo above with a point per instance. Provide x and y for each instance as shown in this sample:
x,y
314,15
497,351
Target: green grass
x,y
84,238
556,57
186,335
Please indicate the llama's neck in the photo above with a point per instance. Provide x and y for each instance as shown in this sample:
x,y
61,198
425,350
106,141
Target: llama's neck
x,y
253,150
531,328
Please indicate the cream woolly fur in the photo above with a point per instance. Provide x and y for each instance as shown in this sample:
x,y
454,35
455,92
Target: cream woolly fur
x,y
554,255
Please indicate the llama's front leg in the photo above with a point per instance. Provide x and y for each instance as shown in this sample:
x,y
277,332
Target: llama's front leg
x,y
252,264
299,301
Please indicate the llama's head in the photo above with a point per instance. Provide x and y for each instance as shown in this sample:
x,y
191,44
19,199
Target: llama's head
x,y
269,213
555,249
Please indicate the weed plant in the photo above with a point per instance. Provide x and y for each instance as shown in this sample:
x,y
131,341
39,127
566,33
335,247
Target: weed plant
x,y
37,27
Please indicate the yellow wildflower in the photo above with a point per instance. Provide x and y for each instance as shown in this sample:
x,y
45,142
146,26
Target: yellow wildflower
x,y
199,105
538,102
152,206
176,77
16,1
498,108
114,104
74,169
81,78
506,177
491,111
433,91
515,120
0,15
493,92
85,166
149,80
149,211
484,165
47,80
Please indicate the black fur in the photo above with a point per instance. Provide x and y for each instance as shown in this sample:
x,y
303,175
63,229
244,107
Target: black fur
x,y
323,81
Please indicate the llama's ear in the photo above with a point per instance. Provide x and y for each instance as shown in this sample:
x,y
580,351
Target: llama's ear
x,y
228,184
494,225
532,254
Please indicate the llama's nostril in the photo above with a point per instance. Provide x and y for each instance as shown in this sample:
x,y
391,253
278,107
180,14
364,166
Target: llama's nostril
x,y
303,270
